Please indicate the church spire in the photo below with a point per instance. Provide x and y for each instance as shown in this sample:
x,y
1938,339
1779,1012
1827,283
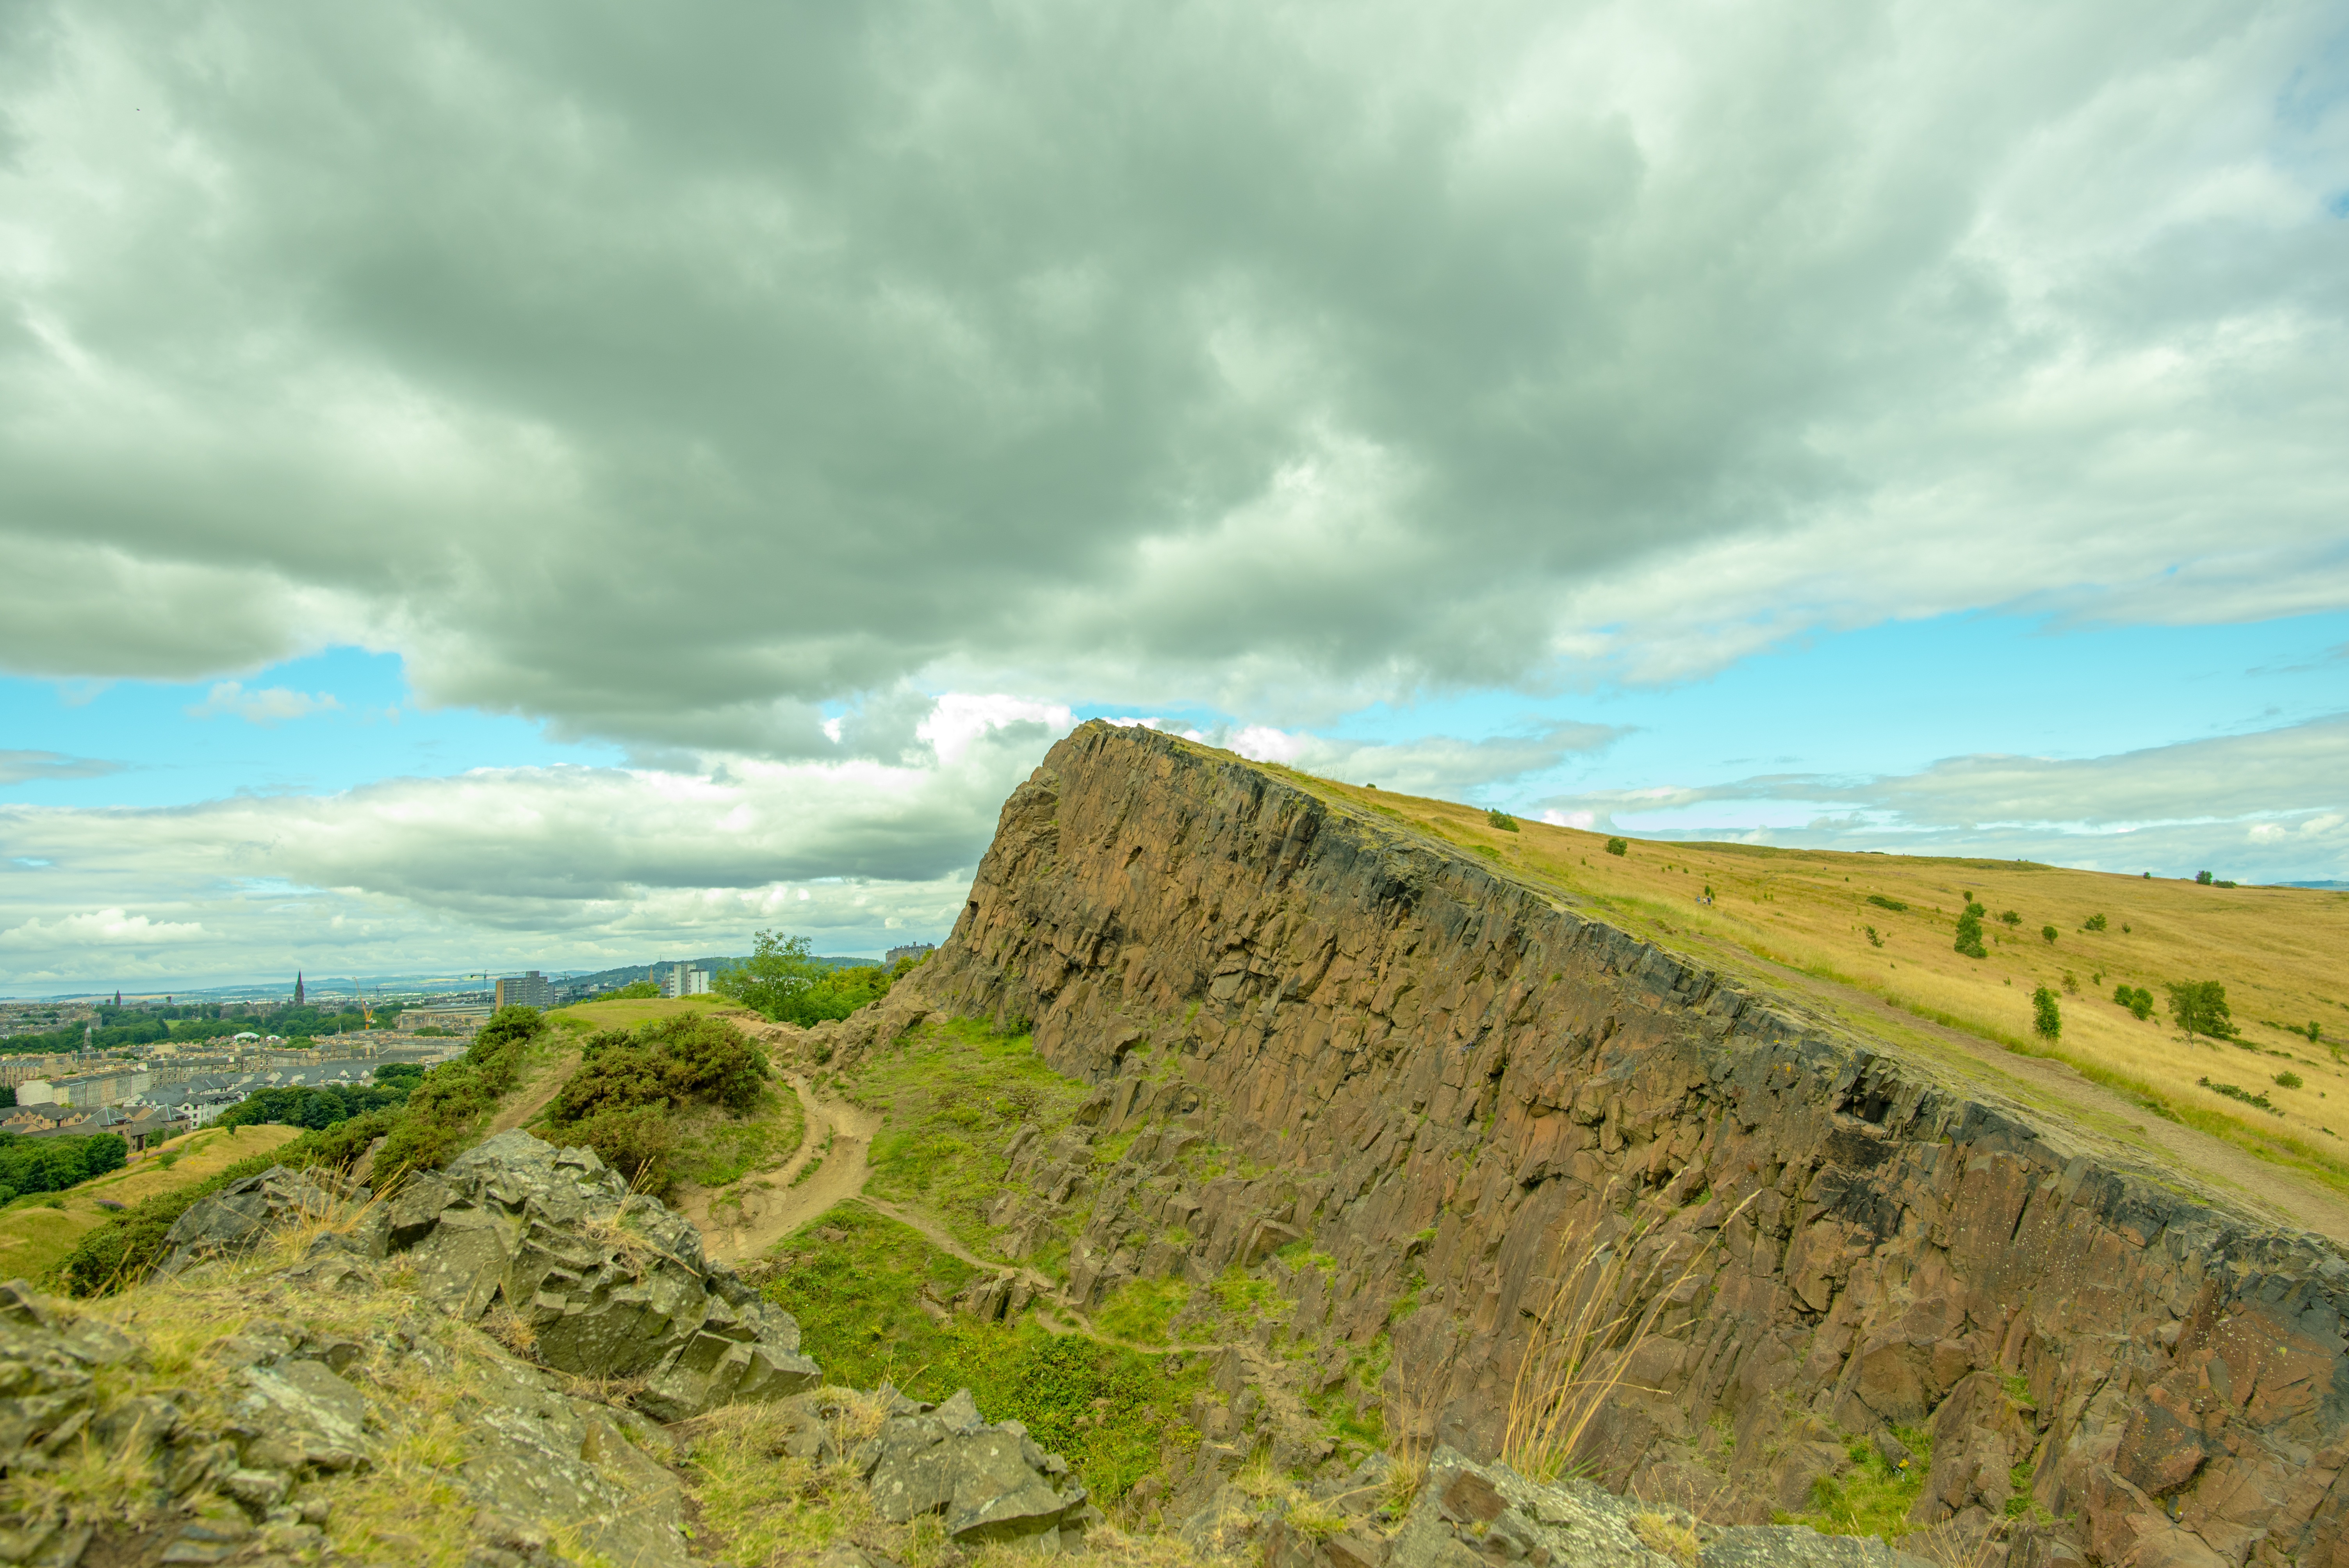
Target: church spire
x,y
297,987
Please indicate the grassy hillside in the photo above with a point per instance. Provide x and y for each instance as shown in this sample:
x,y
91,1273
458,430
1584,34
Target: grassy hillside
x,y
37,1232
628,1014
2283,954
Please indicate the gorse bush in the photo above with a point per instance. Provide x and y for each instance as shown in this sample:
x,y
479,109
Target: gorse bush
x,y
625,1098
1501,819
2093,923
2136,998
1617,847
2288,1081
2047,934
449,1104
2010,917
1880,901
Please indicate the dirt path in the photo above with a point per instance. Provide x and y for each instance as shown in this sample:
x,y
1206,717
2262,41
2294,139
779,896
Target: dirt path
x,y
771,1206
2269,1192
541,1090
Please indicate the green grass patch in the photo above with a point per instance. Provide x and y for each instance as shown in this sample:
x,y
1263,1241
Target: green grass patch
x,y
851,1280
1141,1310
727,1149
954,1094
1873,1498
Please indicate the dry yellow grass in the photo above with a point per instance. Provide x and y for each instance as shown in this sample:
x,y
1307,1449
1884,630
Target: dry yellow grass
x,y
35,1238
2283,954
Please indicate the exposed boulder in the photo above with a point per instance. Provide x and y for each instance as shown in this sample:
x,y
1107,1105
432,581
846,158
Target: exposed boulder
x,y
233,1221
987,1482
252,1479
602,1281
1469,1515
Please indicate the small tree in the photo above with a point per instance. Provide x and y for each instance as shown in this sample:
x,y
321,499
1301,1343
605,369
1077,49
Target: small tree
x,y
2200,1008
2315,1031
2202,877
778,970
1617,847
2046,1018
2047,934
1969,933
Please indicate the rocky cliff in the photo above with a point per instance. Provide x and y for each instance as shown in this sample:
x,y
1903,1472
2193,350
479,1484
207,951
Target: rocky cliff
x,y
1446,1082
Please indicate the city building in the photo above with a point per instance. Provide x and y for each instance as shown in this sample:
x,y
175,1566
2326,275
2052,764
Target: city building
x,y
463,1020
681,980
528,989
917,951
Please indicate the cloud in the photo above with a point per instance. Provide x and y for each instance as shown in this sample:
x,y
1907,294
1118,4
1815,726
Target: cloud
x,y
2273,804
272,705
106,927
1431,765
551,866
1279,357
34,767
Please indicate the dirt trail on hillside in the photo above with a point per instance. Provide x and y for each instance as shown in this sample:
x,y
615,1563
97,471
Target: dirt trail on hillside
x,y
2271,1191
770,1206
537,1095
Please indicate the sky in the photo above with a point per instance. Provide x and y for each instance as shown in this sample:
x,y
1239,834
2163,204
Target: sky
x,y
564,486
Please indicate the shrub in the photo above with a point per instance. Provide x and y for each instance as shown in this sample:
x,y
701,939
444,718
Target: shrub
x,y
2046,1018
1873,939
2140,1003
2093,923
634,991
2315,1032
2047,934
2010,917
2288,1079
1969,933
623,1101
2233,1092
2202,877
1502,820
449,1103
2200,1008
1617,847
1880,901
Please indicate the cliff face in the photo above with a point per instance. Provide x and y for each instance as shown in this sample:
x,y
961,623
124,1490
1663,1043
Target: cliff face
x,y
1443,1079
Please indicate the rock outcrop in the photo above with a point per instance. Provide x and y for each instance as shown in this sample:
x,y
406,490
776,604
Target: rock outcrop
x,y
599,1281
1439,1074
243,1467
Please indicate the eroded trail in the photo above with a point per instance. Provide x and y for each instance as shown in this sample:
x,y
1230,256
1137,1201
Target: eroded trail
x,y
744,1221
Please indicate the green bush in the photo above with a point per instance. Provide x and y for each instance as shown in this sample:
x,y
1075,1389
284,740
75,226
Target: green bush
x,y
1880,901
2010,917
449,1104
1617,847
781,980
2046,1018
624,1101
2203,878
1501,819
2288,1079
1969,933
636,991
2047,934
2093,923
